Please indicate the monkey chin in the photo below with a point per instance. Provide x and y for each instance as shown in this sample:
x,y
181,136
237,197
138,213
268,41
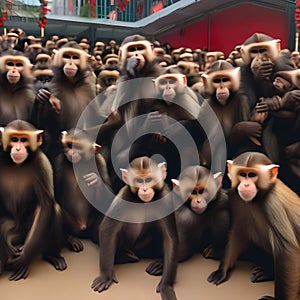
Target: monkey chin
x,y
18,158
248,195
146,197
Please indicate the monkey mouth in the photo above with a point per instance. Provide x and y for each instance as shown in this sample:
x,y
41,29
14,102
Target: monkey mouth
x,y
247,195
146,197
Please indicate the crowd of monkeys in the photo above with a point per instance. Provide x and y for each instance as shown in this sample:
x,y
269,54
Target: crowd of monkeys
x,y
89,135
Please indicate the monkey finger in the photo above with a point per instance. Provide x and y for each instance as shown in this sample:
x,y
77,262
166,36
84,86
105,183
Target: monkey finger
x,y
155,268
21,273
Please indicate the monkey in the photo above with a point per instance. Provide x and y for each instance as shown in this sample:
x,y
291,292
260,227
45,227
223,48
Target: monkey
x,y
133,96
72,88
126,227
261,51
30,219
16,88
241,129
266,212
77,189
175,102
107,78
283,117
203,220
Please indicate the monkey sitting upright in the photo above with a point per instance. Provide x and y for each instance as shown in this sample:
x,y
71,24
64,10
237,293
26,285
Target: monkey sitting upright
x,y
30,219
80,180
140,206
203,219
266,212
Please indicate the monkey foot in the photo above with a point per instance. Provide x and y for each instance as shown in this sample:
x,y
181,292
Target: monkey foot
x,y
155,268
259,275
75,244
58,262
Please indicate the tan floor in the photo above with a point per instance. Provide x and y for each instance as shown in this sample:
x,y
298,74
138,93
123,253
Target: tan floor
x,y
44,282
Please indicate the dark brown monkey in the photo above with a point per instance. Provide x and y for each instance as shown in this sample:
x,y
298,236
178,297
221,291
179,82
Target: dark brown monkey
x,y
72,88
126,225
77,189
266,212
258,52
29,217
222,84
16,87
203,220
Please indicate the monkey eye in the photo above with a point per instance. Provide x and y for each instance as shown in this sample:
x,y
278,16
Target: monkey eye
x,y
75,57
163,82
139,180
19,64
261,50
67,56
15,139
148,179
219,80
172,81
194,192
243,174
251,174
10,64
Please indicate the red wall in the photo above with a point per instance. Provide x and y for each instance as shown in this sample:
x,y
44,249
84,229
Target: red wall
x,y
231,27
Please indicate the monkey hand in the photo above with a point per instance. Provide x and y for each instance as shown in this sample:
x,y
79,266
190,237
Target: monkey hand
x,y
43,96
166,291
264,70
273,103
217,277
92,179
261,106
103,282
55,104
153,122
131,64
20,266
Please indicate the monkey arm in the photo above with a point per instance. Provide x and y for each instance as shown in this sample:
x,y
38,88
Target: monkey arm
x,y
165,287
108,235
237,244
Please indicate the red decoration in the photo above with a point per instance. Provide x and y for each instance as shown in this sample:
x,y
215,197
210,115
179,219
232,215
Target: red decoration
x,y
44,9
122,4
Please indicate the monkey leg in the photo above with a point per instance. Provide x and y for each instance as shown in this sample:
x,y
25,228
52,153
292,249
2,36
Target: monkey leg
x,y
54,243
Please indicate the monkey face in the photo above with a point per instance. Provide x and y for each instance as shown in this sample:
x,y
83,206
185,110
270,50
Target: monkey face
x,y
170,85
144,184
14,70
222,86
71,62
19,144
247,187
73,152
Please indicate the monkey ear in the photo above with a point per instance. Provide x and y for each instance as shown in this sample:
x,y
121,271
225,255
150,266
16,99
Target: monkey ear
x,y
229,167
204,79
124,175
218,179
163,167
96,147
273,171
176,185
39,137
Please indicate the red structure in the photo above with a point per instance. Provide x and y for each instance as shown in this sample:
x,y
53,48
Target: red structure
x,y
227,28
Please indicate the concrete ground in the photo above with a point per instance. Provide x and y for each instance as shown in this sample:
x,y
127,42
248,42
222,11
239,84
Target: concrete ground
x,y
45,283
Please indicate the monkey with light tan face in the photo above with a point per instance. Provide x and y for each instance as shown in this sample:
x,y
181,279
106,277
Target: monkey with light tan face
x,y
30,218
264,212
16,87
125,240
